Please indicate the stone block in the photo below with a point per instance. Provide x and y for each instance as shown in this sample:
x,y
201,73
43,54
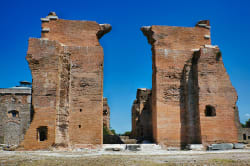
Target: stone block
x,y
52,17
207,36
10,147
223,146
173,148
135,147
150,147
239,146
114,147
45,30
195,147
45,19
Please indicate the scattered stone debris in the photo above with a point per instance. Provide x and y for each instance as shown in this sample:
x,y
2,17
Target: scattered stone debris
x,y
127,140
9,147
196,147
135,147
239,146
223,146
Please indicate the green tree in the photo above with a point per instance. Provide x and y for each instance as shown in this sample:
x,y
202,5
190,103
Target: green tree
x,y
127,133
113,131
105,131
247,124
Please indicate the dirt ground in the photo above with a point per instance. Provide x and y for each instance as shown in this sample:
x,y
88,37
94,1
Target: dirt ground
x,y
45,158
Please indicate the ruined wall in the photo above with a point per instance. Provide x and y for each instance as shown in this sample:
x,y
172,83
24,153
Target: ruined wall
x,y
142,115
106,113
15,114
67,70
179,86
243,133
217,92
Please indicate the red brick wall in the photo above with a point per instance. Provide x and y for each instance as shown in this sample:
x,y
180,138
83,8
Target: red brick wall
x,y
177,116
67,71
179,38
215,89
72,33
43,61
86,93
171,49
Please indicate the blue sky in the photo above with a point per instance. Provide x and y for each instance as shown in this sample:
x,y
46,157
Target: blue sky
x,y
127,55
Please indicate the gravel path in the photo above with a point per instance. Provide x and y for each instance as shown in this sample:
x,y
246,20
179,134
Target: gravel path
x,y
95,157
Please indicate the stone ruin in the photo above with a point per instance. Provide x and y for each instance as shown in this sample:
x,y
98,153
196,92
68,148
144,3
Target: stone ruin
x,y
192,100
15,113
142,116
67,69
106,114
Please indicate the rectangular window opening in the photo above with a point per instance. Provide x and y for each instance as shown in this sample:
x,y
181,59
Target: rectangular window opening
x,y
244,137
42,133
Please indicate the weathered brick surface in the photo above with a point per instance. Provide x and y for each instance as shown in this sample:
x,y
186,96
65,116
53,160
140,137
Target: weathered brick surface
x,y
67,70
216,89
142,115
178,87
13,126
106,113
243,133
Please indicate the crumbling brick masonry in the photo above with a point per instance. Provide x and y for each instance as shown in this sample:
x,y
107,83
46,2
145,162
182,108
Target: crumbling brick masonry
x,y
193,100
67,70
142,115
15,114
106,113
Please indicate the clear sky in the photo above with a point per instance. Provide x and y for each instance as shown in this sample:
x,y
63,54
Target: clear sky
x,y
127,55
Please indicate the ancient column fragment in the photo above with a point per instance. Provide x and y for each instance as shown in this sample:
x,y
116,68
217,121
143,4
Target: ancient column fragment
x,y
189,83
67,93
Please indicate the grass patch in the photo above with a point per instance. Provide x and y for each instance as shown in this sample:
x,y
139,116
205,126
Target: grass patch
x,y
223,161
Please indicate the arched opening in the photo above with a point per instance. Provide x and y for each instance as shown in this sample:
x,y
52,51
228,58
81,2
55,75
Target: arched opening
x,y
13,113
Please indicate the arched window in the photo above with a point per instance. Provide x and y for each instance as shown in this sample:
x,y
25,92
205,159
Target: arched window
x,y
13,113
210,111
